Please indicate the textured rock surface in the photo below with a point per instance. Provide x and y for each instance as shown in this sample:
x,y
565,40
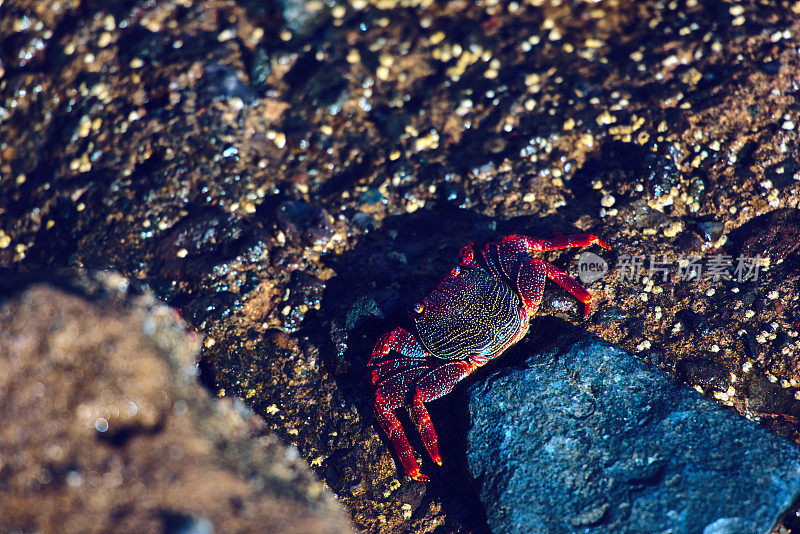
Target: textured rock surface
x,y
588,439
104,427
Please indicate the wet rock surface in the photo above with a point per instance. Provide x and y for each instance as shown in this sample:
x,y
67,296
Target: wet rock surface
x,y
105,427
162,139
586,438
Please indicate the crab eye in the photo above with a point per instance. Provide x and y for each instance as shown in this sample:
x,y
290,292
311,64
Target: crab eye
x,y
456,271
419,307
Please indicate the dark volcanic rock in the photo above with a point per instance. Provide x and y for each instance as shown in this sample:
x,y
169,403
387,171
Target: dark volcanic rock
x,y
775,235
305,222
711,230
220,82
589,439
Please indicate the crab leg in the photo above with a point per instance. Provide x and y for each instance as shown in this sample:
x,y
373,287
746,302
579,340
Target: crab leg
x,y
559,242
530,284
466,257
398,340
492,257
438,382
530,279
391,425
570,286
531,272
419,414
503,257
393,378
441,380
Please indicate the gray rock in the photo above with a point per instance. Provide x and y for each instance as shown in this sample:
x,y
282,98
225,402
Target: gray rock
x,y
588,439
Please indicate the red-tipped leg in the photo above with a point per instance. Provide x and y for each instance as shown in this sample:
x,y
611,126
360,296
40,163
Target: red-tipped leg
x,y
438,382
419,414
531,273
570,286
560,242
431,383
530,284
391,425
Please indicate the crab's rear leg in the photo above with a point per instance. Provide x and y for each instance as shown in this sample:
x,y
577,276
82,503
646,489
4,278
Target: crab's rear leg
x,y
530,277
559,242
504,256
393,378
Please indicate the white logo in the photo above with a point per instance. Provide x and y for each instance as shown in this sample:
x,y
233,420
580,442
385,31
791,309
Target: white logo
x,y
591,267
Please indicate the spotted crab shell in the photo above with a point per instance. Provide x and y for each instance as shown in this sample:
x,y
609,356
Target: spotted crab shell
x,y
469,313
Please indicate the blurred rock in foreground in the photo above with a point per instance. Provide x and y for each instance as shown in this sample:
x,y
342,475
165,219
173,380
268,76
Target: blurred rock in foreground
x,y
104,426
587,438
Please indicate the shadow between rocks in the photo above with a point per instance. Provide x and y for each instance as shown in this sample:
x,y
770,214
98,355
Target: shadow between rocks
x,y
376,284
88,285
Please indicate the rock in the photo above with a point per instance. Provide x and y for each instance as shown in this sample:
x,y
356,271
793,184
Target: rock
x,y
363,308
765,397
321,84
305,293
660,171
212,308
363,221
693,321
610,314
305,223
588,439
775,235
643,216
697,190
207,233
302,17
704,373
453,192
711,229
105,426
222,83
784,173
197,243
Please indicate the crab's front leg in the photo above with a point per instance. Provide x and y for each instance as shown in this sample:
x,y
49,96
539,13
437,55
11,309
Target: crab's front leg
x,y
439,381
422,419
393,378
388,420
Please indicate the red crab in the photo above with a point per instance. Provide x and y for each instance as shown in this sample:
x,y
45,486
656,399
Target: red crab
x,y
477,312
